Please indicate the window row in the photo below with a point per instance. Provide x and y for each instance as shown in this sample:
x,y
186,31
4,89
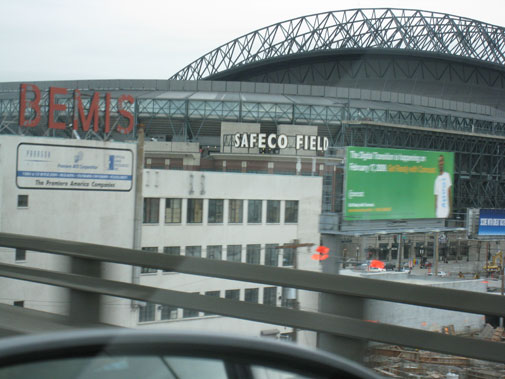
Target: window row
x,y
273,255
154,312
20,255
216,211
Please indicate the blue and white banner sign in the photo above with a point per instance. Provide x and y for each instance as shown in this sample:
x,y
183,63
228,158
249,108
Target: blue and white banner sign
x,y
492,222
45,166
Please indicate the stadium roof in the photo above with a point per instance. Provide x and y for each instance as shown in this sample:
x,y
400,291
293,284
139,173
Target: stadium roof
x,y
387,30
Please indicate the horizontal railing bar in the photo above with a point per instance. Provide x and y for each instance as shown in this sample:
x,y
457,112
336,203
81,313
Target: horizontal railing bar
x,y
319,322
19,320
443,298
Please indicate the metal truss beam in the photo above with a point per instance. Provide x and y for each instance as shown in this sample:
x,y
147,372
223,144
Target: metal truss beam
x,y
399,29
191,118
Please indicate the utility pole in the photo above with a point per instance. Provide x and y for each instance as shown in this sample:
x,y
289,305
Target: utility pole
x,y
139,202
502,281
478,251
399,252
297,300
295,245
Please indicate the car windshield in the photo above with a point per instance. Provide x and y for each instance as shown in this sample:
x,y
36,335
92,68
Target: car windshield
x,y
327,178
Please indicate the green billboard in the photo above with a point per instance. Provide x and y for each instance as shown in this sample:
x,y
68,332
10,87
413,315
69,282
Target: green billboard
x,y
386,184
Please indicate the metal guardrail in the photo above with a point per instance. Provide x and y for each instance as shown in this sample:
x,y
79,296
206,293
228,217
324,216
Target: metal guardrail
x,y
442,298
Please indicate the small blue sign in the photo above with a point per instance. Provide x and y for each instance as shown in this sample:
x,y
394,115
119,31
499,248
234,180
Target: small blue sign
x,y
492,222
111,162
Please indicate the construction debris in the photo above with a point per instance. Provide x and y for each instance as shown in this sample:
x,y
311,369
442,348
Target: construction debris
x,y
421,356
449,329
490,333
399,362
498,335
486,333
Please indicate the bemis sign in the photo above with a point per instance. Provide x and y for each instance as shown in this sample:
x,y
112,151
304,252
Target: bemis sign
x,y
281,141
79,115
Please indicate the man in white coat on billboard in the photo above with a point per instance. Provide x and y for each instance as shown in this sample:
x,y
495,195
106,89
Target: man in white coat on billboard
x,y
442,191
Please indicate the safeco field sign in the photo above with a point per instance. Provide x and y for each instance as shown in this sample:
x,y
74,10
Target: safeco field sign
x,y
397,184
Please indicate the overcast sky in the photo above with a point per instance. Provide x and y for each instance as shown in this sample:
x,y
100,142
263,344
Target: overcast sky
x,y
153,39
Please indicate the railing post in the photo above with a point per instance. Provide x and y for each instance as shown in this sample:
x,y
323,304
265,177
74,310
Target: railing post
x,y
84,306
341,305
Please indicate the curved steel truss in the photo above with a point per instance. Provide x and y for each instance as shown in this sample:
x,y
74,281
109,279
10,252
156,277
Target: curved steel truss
x,y
399,29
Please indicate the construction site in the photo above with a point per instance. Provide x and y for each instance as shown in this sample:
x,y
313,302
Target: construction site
x,y
400,362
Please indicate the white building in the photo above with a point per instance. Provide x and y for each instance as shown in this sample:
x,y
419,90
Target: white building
x,y
39,198
229,216
235,216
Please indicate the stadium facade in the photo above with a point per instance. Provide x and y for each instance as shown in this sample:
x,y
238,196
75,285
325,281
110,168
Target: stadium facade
x,y
388,78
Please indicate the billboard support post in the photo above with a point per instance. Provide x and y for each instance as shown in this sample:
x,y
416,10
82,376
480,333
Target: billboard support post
x,y
502,282
399,253
435,266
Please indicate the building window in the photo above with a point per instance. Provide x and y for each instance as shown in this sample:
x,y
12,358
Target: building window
x,y
214,252
288,256
149,270
173,211
22,201
234,253
287,336
215,211
232,294
19,303
288,297
20,255
251,295
213,294
291,212
273,211
195,211
253,254
146,313
171,250
168,312
270,296
235,211
186,313
271,255
194,251
151,210
254,211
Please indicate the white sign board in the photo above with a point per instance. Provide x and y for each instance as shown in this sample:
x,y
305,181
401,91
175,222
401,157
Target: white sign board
x,y
281,141
46,166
